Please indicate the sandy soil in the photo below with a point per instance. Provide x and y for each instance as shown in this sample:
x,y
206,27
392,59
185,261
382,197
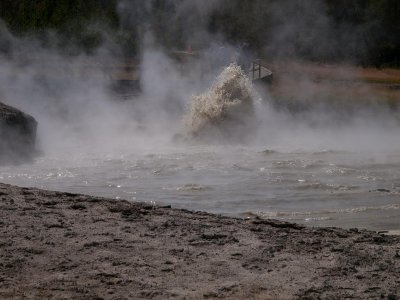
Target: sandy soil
x,y
336,72
69,246
300,86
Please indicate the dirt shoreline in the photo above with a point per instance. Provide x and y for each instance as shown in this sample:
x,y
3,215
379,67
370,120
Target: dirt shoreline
x,y
69,246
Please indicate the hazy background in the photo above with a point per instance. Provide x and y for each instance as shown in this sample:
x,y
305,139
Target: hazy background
x,y
58,60
361,32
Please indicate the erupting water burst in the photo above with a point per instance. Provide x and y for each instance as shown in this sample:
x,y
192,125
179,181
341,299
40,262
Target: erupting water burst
x,y
225,110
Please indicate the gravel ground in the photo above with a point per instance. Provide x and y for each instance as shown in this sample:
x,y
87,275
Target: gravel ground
x,y
68,246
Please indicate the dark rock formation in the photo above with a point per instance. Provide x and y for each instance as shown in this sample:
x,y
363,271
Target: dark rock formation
x,y
17,135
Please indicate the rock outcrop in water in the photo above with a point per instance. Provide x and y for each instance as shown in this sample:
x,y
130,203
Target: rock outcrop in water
x,y
225,111
17,135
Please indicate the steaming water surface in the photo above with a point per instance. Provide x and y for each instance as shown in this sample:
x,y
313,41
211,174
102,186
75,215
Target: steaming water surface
x,y
81,128
127,151
346,189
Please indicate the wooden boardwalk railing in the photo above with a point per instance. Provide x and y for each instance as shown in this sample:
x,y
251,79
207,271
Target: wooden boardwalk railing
x,y
259,72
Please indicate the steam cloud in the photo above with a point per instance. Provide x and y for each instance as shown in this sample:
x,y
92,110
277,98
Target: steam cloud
x,y
76,111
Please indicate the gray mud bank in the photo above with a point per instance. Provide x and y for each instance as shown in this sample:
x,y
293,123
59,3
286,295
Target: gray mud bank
x,y
68,246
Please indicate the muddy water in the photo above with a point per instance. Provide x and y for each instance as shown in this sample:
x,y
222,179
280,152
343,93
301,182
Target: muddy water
x,y
346,189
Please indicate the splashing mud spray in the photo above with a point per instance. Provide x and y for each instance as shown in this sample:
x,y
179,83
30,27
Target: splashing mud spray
x,y
226,111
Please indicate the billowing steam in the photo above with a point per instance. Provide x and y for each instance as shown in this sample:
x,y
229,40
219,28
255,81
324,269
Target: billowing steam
x,y
76,110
